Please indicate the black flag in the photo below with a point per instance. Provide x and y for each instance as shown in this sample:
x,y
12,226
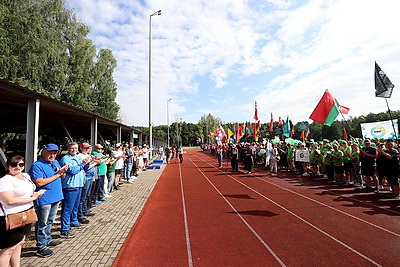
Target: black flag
x,y
383,86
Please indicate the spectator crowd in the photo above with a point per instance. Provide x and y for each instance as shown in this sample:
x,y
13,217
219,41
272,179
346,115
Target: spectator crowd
x,y
84,177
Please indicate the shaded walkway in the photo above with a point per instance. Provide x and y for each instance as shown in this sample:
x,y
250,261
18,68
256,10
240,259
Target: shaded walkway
x,y
98,243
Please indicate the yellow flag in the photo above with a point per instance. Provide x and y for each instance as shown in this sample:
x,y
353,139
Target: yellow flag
x,y
230,133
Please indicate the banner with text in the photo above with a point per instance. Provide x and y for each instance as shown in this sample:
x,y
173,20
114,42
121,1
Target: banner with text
x,y
380,129
302,155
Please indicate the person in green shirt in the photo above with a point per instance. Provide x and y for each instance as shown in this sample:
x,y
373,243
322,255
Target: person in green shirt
x,y
314,159
337,156
328,163
98,193
290,158
110,170
347,166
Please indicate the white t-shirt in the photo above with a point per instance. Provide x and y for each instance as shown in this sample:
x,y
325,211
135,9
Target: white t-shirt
x,y
119,164
21,189
145,152
84,156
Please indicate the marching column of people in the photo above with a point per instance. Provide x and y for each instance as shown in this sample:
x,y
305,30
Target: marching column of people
x,y
372,165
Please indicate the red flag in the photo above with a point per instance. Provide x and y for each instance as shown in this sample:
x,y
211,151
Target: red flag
x,y
271,124
255,131
344,110
307,133
280,121
326,110
241,131
292,131
344,134
221,134
255,111
302,135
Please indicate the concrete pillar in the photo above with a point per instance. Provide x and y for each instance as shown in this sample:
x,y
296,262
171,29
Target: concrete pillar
x,y
32,132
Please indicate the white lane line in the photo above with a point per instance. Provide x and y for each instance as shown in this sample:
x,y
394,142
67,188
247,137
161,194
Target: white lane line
x,y
330,207
189,250
301,219
241,217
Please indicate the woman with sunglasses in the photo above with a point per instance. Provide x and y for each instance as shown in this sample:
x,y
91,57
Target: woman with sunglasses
x,y
16,195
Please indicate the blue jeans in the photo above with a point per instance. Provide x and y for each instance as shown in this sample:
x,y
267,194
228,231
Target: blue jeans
x,y
69,211
99,189
219,159
128,170
111,178
86,189
46,215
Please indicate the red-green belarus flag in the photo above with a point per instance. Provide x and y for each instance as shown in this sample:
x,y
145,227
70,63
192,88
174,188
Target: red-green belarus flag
x,y
327,110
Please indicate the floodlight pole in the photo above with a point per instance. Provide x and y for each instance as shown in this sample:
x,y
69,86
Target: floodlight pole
x,y
168,120
157,13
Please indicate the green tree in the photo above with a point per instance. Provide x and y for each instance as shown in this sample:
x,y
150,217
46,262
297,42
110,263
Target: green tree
x,y
104,87
208,123
81,53
44,46
32,49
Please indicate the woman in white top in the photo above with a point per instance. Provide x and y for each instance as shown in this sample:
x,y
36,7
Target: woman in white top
x,y
139,158
273,162
16,195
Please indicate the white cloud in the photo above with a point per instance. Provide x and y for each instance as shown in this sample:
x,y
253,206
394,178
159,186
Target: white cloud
x,y
218,56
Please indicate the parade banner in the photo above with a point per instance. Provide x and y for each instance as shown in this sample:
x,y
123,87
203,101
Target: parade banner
x,y
302,126
302,155
380,129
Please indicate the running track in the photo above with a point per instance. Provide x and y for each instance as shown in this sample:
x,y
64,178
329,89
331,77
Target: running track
x,y
201,215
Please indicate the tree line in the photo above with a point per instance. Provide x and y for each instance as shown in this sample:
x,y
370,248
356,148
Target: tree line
x,y
45,47
188,134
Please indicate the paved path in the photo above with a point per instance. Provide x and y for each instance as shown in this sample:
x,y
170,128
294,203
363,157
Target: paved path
x,y
99,242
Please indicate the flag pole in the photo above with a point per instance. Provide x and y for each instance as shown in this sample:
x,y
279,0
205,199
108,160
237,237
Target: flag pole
x,y
391,119
345,123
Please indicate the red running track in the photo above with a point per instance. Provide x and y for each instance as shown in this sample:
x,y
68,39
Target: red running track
x,y
201,215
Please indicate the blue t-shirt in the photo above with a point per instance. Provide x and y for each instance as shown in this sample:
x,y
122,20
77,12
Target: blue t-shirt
x,y
45,169
75,175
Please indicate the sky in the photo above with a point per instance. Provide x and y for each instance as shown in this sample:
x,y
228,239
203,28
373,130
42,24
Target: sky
x,y
221,56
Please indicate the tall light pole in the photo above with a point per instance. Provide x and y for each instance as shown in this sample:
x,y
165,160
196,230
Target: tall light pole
x,y
168,120
157,13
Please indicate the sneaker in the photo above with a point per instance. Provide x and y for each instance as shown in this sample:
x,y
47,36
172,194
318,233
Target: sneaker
x,y
104,199
44,253
54,243
97,202
68,234
89,214
77,226
397,197
376,190
84,221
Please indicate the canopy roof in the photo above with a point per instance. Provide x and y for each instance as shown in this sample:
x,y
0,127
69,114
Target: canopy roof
x,y
53,115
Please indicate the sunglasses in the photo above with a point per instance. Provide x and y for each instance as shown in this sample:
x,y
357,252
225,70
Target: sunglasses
x,y
55,168
21,165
